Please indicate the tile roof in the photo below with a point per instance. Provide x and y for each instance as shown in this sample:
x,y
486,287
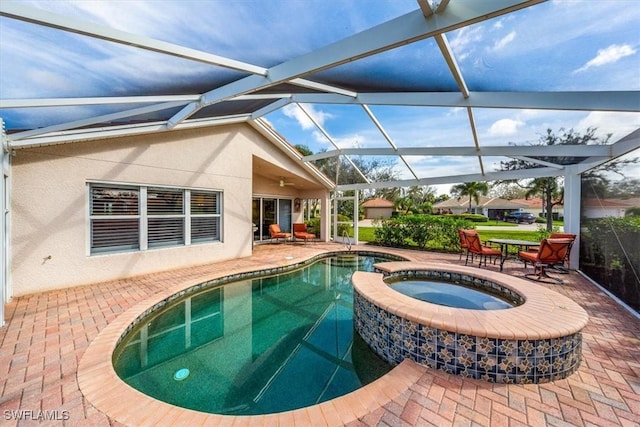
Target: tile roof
x,y
377,203
485,202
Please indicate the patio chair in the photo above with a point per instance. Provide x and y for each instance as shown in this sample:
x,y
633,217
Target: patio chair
x,y
475,247
463,243
562,267
276,233
300,232
550,252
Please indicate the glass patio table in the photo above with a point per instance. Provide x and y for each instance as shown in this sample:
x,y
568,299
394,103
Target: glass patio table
x,y
505,243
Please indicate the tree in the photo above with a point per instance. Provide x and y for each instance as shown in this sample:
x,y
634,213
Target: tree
x,y
551,194
303,149
341,171
624,189
384,174
405,204
472,189
507,191
549,188
598,181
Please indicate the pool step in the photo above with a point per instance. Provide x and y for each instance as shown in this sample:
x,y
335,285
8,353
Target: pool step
x,y
346,260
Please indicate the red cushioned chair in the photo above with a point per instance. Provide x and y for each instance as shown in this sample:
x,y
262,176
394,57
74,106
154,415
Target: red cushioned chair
x,y
463,242
475,247
300,232
551,252
562,267
276,233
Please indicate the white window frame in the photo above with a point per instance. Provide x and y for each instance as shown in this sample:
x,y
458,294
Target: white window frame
x,y
144,216
181,216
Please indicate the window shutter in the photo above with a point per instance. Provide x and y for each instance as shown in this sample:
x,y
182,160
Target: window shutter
x,y
205,229
115,222
118,219
114,200
205,218
204,203
165,208
165,202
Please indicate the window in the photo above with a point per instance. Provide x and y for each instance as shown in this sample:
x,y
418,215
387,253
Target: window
x,y
165,213
115,218
125,218
205,216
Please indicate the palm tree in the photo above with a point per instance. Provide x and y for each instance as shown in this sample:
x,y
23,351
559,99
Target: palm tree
x,y
405,204
472,189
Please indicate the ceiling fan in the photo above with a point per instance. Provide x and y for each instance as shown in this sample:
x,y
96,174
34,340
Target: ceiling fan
x,y
283,182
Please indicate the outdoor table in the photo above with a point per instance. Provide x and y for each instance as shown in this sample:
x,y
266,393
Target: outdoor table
x,y
505,243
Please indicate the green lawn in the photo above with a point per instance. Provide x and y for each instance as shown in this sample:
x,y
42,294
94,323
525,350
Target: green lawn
x,y
494,223
365,234
508,234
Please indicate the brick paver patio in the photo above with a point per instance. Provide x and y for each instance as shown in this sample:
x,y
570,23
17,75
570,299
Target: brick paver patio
x,y
47,334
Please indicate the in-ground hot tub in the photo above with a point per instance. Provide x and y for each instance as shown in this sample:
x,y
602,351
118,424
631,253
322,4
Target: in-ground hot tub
x,y
538,340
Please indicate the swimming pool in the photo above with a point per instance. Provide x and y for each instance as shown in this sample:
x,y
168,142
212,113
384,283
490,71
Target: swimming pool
x,y
255,346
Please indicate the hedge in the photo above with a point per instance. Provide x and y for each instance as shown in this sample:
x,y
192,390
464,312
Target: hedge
x,y
438,232
610,254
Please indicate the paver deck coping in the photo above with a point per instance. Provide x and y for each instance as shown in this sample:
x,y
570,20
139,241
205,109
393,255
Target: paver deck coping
x,y
544,314
59,327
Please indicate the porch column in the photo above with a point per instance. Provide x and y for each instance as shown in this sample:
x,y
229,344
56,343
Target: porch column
x,y
325,217
356,216
572,194
5,240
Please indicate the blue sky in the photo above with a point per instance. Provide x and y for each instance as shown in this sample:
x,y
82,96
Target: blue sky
x,y
555,46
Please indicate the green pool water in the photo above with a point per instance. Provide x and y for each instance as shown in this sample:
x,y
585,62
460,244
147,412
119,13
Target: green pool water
x,y
256,346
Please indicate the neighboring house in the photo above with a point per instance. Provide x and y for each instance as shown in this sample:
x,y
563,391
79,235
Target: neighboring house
x,y
378,208
491,207
92,211
534,205
600,208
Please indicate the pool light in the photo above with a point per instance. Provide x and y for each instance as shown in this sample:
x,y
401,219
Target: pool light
x,y
181,374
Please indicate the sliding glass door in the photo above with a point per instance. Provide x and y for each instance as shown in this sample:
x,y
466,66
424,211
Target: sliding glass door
x,y
267,211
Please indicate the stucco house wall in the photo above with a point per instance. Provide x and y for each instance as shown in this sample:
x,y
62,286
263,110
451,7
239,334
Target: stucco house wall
x,y
597,212
50,201
377,213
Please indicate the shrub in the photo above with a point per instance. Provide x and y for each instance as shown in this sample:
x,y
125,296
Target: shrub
x,y
470,217
610,254
543,233
313,225
425,231
418,229
635,211
390,233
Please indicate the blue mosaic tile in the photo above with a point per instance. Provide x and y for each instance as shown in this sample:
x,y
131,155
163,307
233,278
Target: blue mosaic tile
x,y
489,359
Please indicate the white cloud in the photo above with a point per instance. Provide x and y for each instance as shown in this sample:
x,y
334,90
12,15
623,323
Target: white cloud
x,y
505,127
351,141
294,112
504,41
616,124
465,40
319,137
55,81
608,55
